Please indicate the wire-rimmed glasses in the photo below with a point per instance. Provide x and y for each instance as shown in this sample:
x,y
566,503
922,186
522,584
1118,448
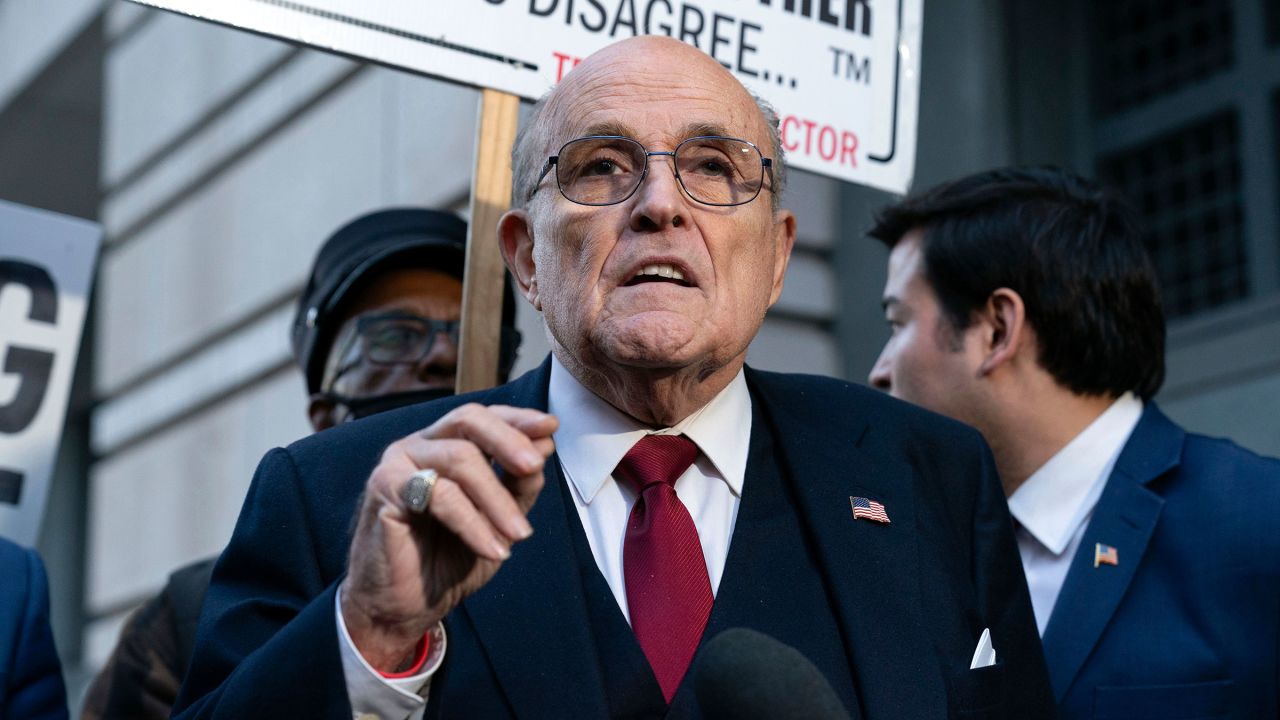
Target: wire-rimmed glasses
x,y
607,169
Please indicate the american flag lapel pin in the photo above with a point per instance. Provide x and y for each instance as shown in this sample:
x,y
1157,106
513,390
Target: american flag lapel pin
x,y
1105,555
867,509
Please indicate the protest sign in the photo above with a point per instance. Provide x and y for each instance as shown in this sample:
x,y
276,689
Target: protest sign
x,y
46,269
843,74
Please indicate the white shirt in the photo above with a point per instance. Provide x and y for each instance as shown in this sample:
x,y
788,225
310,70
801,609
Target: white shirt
x,y
590,442
1054,506
592,439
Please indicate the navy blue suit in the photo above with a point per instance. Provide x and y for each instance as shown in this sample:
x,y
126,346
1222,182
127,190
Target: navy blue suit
x,y
890,613
30,676
1187,624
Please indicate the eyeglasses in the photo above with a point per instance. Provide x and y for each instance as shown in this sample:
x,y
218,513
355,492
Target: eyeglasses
x,y
394,338
607,169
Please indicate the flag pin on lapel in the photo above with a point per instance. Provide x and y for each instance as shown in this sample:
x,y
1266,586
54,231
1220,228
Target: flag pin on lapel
x,y
1105,555
866,509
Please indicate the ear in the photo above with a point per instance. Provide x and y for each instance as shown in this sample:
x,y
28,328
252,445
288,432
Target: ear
x,y
515,235
784,238
322,412
1005,332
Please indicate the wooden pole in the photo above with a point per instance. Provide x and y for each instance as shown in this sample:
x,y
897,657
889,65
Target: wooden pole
x,y
482,284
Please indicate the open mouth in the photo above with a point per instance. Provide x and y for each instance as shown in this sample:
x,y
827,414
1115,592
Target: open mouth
x,y
658,273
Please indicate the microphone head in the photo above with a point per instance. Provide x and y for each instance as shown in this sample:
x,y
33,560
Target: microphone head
x,y
744,674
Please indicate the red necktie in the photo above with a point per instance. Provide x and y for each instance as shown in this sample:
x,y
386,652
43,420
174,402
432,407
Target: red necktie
x,y
668,591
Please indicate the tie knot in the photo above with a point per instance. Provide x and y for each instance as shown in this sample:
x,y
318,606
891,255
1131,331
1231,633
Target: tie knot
x,y
657,459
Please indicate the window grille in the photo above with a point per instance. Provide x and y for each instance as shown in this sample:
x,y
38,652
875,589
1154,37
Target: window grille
x,y
1147,48
1186,186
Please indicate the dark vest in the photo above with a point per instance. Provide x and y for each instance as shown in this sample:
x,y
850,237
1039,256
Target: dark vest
x,y
784,597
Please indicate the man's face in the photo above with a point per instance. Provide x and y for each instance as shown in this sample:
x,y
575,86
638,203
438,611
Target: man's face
x,y
586,260
429,294
925,361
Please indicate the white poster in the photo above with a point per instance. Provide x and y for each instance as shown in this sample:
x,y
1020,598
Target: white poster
x,y
46,268
843,74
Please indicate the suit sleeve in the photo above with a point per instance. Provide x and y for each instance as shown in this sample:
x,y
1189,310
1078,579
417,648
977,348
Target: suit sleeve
x,y
35,690
1005,601
267,645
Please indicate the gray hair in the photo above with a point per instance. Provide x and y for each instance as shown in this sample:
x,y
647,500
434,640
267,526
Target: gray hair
x,y
529,154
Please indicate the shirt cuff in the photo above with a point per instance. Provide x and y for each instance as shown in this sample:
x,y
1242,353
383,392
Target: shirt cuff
x,y
373,694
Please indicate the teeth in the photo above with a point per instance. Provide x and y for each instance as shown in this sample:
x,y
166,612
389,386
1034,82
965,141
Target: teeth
x,y
665,271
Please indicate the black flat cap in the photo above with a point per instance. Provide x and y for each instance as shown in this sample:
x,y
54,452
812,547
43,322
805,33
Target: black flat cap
x,y
433,238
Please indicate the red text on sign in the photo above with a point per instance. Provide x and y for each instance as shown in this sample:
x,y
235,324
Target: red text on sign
x,y
564,63
807,137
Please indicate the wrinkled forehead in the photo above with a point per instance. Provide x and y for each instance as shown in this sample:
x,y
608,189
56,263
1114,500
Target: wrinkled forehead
x,y
654,102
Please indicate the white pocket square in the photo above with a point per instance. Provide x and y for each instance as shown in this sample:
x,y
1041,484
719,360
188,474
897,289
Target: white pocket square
x,y
985,654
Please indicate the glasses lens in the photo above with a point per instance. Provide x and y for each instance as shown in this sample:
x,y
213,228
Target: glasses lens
x,y
720,171
396,339
600,171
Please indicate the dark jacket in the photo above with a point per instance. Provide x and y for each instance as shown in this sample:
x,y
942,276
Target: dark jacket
x,y
31,685
909,599
141,678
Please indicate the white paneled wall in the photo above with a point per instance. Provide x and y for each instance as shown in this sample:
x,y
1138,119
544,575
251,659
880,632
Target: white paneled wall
x,y
32,33
168,77
174,498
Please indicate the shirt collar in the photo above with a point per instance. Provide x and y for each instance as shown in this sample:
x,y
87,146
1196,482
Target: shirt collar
x,y
594,435
1060,496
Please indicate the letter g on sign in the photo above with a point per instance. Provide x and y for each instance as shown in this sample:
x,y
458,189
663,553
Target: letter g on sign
x,y
31,366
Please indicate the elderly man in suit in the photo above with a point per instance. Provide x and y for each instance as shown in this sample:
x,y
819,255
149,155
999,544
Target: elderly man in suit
x,y
1021,301
31,685
677,493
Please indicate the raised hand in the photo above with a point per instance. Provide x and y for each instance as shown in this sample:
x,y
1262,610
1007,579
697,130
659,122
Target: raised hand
x,y
407,570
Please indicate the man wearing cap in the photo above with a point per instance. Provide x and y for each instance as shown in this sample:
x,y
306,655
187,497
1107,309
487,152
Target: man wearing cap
x,y
376,328
400,567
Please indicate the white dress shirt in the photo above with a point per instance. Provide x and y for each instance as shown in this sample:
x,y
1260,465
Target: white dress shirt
x,y
590,442
1054,505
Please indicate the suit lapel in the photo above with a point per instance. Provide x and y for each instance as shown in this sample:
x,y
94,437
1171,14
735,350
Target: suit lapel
x,y
529,617
1124,518
871,568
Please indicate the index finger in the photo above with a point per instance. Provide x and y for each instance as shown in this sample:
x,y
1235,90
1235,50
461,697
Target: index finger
x,y
533,423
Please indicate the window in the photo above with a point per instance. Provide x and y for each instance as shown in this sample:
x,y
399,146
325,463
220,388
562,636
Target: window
x,y
1186,186
1148,48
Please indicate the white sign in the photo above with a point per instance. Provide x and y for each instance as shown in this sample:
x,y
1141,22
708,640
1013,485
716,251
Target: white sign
x,y
46,267
843,74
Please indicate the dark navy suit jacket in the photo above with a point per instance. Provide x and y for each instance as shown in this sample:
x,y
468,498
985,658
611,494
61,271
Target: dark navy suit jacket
x,y
1187,624
910,599
30,676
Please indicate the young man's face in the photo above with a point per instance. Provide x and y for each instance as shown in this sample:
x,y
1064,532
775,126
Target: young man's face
x,y
925,361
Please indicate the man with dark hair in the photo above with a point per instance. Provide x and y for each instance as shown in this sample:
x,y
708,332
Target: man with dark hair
x,y
1022,302
376,328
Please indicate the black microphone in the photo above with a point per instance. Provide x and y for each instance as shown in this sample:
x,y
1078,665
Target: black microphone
x,y
744,675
